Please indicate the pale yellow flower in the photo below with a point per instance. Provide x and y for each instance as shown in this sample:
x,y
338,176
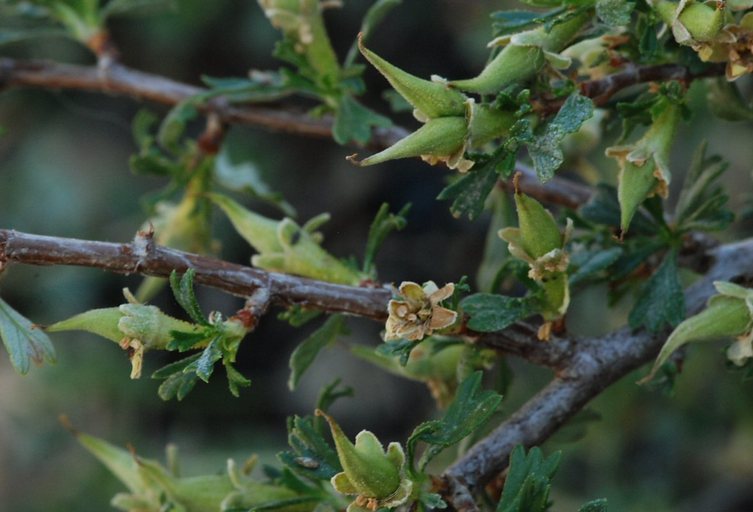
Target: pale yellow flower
x,y
419,314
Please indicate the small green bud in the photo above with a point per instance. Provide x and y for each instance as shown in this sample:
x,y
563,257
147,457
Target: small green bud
x,y
525,54
430,99
644,166
728,314
372,474
286,247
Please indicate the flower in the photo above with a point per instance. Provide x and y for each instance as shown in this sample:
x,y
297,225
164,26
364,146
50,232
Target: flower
x,y
419,313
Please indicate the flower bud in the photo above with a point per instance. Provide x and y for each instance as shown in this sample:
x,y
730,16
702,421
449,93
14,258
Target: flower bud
x,y
525,54
644,166
430,99
286,247
728,314
372,474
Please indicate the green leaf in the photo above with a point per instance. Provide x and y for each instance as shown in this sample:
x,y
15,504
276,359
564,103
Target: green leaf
x,y
204,365
183,341
9,36
507,22
490,313
120,7
400,349
470,409
468,193
306,351
614,13
184,293
353,121
332,392
310,454
174,125
177,384
599,505
702,201
296,315
24,341
246,177
545,149
373,17
596,262
384,223
661,300
235,379
528,481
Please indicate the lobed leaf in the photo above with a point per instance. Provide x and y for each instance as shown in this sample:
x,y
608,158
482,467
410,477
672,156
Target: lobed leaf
x,y
661,300
490,312
25,342
384,223
470,409
306,351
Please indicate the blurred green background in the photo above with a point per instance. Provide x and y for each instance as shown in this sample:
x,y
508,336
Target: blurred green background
x,y
64,171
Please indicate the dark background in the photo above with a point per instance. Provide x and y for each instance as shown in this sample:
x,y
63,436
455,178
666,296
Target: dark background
x,y
64,171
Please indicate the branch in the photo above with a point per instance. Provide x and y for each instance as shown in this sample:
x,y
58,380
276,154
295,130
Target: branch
x,y
583,368
591,366
16,247
118,79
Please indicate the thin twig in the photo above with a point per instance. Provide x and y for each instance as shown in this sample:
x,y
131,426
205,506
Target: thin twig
x,y
17,247
118,79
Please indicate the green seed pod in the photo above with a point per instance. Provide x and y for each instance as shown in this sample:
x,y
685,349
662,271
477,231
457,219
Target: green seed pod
x,y
644,166
695,22
259,231
368,470
486,124
430,99
523,57
138,321
442,137
539,232
725,316
301,22
286,247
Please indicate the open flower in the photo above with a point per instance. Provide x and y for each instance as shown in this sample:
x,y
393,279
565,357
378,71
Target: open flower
x,y
417,313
